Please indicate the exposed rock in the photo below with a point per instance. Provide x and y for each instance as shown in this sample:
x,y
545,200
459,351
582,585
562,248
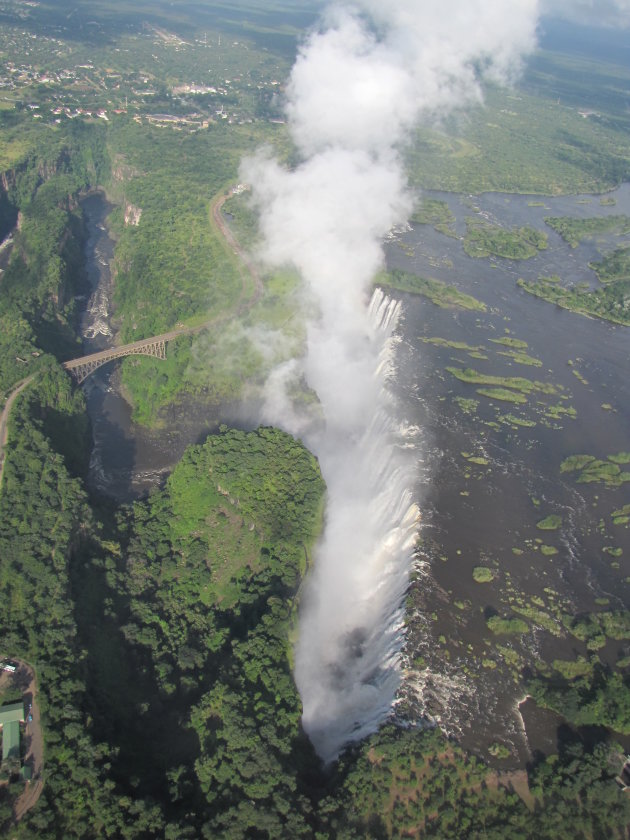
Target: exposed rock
x,y
132,214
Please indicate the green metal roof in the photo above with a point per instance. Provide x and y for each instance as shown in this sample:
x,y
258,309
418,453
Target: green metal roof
x,y
11,712
11,740
10,717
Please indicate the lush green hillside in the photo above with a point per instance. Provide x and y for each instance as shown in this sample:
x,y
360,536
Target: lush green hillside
x,y
418,784
196,611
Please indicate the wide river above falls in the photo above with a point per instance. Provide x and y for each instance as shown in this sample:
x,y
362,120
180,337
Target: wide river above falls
x,y
489,471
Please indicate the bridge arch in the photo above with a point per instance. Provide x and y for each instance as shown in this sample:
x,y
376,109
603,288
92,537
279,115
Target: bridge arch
x,y
82,367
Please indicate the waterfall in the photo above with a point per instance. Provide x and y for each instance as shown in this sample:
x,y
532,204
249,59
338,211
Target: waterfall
x,y
351,623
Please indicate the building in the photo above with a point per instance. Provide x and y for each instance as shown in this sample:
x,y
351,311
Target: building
x,y
11,716
623,779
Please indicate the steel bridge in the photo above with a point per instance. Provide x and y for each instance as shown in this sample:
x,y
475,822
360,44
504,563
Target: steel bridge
x,y
82,367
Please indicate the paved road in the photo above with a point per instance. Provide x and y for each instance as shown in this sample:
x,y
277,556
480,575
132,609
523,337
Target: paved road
x,y
4,419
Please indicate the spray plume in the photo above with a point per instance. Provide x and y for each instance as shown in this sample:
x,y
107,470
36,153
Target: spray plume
x,y
607,13
359,85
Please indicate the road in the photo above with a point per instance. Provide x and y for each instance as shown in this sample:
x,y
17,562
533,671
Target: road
x,y
222,226
24,679
4,419
245,301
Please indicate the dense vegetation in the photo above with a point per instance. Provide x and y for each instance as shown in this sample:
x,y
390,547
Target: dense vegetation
x,y
610,302
436,291
174,257
526,141
410,784
45,524
483,240
195,612
162,653
435,212
615,267
573,231
588,469
600,697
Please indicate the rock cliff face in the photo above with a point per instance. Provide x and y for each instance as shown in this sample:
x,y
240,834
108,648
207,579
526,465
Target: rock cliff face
x,y
17,185
8,213
8,180
122,172
45,169
132,214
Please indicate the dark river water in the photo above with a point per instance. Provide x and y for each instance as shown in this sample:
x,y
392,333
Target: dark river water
x,y
484,512
480,512
127,460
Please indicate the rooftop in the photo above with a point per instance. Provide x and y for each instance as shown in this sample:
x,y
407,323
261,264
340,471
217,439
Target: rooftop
x,y
11,716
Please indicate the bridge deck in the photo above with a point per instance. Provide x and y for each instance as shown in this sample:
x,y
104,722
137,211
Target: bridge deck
x,y
154,346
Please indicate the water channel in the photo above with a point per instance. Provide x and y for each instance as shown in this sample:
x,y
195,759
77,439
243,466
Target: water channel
x,y
127,460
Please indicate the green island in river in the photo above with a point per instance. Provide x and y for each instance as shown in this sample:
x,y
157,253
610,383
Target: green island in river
x,y
160,630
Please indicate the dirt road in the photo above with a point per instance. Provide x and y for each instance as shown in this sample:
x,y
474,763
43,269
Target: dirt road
x,y
4,419
25,681
222,226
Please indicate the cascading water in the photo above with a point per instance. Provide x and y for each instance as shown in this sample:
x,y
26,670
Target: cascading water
x,y
356,90
347,658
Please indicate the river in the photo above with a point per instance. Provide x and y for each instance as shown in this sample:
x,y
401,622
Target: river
x,y
490,472
127,460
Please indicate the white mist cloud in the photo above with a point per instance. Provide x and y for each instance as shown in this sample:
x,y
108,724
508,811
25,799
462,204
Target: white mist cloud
x,y
358,86
439,41
362,86
348,90
592,12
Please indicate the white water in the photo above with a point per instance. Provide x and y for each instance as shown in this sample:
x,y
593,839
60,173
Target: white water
x,y
358,86
347,658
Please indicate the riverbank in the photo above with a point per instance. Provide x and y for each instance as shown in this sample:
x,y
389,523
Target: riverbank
x,y
129,459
